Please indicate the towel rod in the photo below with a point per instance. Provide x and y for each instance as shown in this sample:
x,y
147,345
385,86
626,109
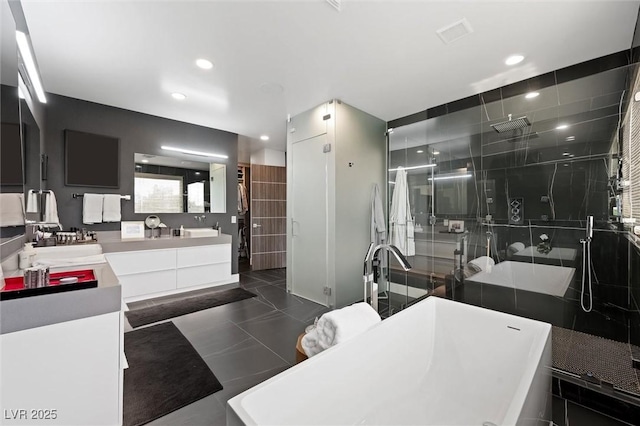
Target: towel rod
x,y
124,197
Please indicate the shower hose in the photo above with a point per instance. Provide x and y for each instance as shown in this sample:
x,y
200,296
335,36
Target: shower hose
x,y
586,273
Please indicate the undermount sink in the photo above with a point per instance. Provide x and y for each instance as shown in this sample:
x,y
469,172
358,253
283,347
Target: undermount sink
x,y
200,232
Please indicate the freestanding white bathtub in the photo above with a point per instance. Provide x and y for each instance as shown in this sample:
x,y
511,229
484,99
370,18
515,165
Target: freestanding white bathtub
x,y
436,363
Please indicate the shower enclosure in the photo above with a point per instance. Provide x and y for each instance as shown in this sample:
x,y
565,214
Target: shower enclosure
x,y
500,187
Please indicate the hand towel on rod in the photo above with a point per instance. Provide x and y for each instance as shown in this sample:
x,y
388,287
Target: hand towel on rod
x,y
11,209
111,208
32,201
92,208
51,209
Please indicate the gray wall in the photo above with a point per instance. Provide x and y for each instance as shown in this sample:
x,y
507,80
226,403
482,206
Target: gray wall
x,y
137,133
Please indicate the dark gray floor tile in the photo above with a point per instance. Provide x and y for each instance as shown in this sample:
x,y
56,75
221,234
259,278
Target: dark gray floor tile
x,y
246,279
277,297
559,412
234,312
207,411
307,311
254,284
235,387
579,415
278,331
211,339
280,283
244,359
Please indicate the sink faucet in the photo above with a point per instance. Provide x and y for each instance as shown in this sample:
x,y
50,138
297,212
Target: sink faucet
x,y
200,218
368,268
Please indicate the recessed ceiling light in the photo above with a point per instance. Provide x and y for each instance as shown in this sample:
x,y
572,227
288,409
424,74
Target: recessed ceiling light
x,y
145,160
562,127
204,64
436,152
570,138
197,173
264,138
532,95
419,151
565,154
571,155
514,59
179,96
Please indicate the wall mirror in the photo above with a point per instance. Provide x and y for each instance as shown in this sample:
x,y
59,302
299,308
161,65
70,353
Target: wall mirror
x,y
178,185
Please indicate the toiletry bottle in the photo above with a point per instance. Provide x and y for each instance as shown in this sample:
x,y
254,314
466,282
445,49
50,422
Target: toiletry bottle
x,y
181,231
26,256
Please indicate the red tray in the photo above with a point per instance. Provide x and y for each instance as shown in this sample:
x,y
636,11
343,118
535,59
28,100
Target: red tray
x,y
14,286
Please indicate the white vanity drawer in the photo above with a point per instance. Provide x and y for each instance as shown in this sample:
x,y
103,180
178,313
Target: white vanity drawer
x,y
147,283
198,275
203,255
133,262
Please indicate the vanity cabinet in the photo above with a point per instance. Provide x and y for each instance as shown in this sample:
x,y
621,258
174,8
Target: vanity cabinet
x,y
152,273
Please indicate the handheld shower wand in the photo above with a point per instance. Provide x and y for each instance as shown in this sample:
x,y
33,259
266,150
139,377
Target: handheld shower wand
x,y
586,264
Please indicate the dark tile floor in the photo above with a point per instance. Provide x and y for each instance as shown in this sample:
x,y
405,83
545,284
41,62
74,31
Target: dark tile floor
x,y
247,342
244,343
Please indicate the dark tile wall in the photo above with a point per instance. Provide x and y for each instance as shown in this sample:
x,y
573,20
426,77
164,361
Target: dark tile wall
x,y
137,133
562,177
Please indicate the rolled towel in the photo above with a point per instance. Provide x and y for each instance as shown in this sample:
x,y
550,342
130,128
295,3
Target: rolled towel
x,y
338,326
92,208
111,208
482,263
514,248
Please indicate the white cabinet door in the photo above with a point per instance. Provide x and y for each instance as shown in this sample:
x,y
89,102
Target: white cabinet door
x,y
134,262
203,255
198,275
71,367
149,283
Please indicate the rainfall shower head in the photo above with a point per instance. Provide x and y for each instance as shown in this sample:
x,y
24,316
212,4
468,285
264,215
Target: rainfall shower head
x,y
505,126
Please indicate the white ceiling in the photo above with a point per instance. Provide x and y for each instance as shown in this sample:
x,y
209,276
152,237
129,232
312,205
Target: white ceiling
x,y
383,57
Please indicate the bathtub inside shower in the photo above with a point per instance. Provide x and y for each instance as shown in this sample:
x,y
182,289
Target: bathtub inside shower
x,y
438,362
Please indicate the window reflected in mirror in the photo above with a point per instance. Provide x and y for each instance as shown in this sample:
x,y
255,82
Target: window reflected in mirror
x,y
178,185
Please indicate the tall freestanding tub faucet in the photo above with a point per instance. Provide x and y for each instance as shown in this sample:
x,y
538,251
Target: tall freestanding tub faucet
x,y
368,269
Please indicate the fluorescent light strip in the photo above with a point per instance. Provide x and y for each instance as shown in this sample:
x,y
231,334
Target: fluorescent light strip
x,y
189,151
412,167
468,175
30,64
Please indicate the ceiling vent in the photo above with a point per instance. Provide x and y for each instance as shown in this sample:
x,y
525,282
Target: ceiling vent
x,y
335,3
455,31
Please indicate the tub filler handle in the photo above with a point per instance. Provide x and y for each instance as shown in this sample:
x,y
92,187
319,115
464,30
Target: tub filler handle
x,y
368,269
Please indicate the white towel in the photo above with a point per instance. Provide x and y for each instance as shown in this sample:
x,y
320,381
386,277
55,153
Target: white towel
x,y
514,248
32,201
401,226
484,263
111,208
338,326
51,209
12,209
92,208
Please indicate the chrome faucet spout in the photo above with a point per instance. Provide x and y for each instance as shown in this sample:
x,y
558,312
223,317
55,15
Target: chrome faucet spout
x,y
368,268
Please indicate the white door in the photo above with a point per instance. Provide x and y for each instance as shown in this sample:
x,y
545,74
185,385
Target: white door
x,y
309,243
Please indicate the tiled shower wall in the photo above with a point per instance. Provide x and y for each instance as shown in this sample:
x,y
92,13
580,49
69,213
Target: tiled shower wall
x,y
561,183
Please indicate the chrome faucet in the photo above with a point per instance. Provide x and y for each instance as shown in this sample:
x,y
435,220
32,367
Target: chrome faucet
x,y
200,218
368,268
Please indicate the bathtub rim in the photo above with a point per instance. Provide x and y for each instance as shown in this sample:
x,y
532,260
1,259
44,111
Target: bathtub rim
x,y
542,337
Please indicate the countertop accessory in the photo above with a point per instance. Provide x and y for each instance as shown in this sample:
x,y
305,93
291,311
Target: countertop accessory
x,y
131,229
15,287
152,222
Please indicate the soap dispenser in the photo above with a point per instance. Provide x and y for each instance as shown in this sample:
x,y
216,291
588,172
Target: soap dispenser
x,y
26,256
181,231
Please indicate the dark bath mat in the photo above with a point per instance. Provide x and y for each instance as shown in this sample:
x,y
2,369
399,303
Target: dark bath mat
x,y
185,306
165,373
